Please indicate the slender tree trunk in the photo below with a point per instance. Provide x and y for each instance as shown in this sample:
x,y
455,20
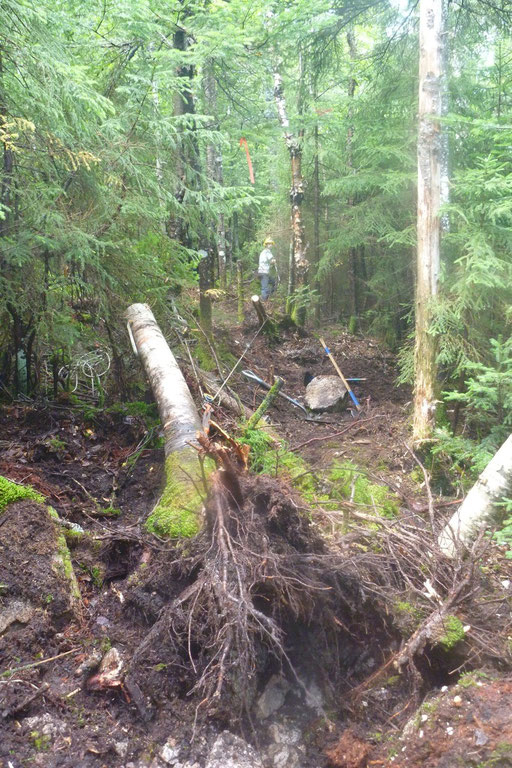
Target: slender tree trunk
x,y
6,184
428,227
353,252
215,168
186,157
480,505
294,145
205,304
177,514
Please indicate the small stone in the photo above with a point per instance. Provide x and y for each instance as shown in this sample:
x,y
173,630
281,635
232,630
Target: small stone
x,y
457,701
170,752
449,730
15,611
121,748
424,718
272,697
230,751
481,738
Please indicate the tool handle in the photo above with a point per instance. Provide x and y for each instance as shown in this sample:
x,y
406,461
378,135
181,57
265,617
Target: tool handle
x,y
337,368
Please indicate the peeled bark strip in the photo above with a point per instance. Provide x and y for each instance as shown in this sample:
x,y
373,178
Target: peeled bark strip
x,y
177,512
479,506
429,195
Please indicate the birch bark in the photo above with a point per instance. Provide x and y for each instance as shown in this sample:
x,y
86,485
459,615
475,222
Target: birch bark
x,y
480,505
177,513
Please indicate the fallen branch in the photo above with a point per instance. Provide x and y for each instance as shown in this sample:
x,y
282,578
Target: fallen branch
x,y
265,404
336,434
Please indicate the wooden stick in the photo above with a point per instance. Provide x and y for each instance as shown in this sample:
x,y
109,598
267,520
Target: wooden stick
x,y
338,371
265,404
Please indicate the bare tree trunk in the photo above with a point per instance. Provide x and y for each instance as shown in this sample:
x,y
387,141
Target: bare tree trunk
x,y
429,190
353,251
186,158
214,168
480,505
294,145
205,303
177,513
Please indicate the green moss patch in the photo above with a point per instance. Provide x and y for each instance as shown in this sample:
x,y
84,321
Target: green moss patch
x,y
177,514
10,492
453,633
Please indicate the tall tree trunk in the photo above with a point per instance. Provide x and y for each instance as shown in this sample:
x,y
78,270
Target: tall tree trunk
x,y
177,513
353,251
428,226
186,158
294,145
6,183
214,168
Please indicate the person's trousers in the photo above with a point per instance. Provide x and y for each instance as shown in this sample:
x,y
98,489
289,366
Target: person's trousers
x,y
268,285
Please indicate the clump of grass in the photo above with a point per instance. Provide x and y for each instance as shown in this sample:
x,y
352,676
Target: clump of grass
x,y
349,482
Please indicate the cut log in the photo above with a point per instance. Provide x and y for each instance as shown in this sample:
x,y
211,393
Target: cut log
x,y
177,514
480,505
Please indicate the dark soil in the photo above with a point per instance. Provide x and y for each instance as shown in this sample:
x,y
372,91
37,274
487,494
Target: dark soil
x,y
132,584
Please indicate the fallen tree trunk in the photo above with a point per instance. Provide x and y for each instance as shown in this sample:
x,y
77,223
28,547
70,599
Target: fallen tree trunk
x,y
178,510
480,505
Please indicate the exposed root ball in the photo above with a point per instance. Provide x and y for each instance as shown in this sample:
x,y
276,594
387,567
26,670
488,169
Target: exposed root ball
x,y
256,569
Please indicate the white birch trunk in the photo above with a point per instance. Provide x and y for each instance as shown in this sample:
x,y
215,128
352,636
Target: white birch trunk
x,y
479,506
428,226
177,512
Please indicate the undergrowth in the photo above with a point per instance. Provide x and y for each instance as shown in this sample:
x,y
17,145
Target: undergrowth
x,y
345,481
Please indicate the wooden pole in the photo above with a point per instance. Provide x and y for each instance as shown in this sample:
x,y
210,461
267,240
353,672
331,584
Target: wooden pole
x,y
338,371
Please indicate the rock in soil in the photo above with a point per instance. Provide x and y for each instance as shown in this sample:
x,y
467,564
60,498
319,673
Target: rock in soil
x,y
325,393
230,751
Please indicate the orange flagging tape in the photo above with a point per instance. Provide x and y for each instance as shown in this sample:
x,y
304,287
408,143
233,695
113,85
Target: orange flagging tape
x,y
243,143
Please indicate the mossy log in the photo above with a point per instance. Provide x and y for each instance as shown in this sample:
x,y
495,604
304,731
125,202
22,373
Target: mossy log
x,y
265,404
177,514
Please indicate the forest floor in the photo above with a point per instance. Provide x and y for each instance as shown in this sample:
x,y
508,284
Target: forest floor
x,y
51,711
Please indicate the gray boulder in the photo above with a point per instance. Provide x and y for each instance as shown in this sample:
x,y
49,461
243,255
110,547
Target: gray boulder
x,y
325,393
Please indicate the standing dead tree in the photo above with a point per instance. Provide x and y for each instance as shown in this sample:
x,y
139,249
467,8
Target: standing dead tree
x,y
177,512
294,146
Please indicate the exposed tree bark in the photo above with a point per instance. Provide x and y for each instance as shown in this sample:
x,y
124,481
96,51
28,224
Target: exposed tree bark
x,y
294,145
240,290
428,227
479,506
205,303
177,512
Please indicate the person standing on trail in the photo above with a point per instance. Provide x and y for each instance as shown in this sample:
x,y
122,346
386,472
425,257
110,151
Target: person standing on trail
x,y
266,263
